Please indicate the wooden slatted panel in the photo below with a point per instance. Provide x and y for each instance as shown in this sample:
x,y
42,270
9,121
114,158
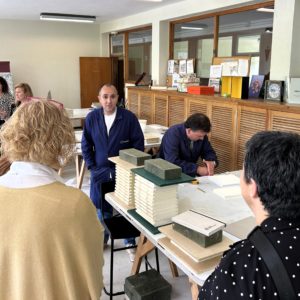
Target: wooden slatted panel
x,y
133,102
251,121
197,107
161,110
146,107
222,135
285,122
176,110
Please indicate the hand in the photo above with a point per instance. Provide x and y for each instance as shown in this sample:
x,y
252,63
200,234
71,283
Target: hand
x,y
202,171
210,167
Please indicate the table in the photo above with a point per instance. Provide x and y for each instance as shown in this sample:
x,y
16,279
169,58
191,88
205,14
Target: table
x,y
189,197
78,113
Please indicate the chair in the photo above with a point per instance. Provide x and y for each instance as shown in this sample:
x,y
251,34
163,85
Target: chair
x,y
118,228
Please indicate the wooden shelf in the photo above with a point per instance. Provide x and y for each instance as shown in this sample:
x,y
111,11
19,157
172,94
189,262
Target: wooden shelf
x,y
234,121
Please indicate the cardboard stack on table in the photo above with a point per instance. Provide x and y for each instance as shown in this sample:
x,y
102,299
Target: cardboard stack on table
x,y
128,159
157,204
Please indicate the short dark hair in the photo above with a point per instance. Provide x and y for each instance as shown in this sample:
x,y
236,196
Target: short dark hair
x,y
109,85
4,85
272,161
198,121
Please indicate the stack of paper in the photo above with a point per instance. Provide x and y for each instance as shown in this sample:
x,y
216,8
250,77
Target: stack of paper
x,y
230,192
224,180
125,185
151,138
154,203
124,189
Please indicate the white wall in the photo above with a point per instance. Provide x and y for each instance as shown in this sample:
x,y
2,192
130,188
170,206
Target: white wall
x,y
46,55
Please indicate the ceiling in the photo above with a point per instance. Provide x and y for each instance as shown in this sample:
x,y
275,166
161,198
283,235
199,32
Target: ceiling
x,y
104,10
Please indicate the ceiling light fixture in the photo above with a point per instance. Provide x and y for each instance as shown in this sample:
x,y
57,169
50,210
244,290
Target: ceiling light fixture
x,y
67,18
194,26
265,9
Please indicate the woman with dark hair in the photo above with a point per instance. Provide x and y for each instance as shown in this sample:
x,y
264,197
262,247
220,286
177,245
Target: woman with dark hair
x,y
6,100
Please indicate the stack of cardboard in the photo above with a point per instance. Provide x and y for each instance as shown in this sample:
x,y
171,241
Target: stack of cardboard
x,y
157,204
128,159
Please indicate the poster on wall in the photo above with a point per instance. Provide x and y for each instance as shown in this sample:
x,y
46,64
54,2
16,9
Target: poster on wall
x,y
8,77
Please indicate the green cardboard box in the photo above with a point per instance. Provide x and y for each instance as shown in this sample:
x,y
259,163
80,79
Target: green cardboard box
x,y
148,285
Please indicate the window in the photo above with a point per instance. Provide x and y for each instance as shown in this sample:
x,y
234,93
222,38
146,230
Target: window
x,y
117,44
194,39
139,54
247,31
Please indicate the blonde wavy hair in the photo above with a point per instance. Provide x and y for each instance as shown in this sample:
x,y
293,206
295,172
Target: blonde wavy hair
x,y
39,132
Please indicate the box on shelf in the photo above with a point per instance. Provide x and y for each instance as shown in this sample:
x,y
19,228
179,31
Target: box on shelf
x,y
235,86
182,87
172,80
201,90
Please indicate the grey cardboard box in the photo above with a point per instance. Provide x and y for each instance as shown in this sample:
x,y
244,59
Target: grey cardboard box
x,y
163,169
134,156
148,285
197,237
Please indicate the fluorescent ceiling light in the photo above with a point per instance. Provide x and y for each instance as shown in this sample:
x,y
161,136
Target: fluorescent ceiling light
x,y
193,26
264,9
67,18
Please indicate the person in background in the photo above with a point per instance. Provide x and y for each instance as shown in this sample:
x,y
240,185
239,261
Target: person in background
x,y
23,93
107,130
270,186
6,101
184,144
51,239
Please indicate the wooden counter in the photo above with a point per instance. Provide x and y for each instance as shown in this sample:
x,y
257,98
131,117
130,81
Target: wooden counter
x,y
234,121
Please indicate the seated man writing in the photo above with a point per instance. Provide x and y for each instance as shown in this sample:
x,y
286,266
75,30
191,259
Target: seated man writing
x,y
184,144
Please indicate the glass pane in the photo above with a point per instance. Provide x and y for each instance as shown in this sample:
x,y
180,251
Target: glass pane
x,y
248,44
225,46
204,57
250,33
139,54
195,40
193,29
117,45
181,50
254,67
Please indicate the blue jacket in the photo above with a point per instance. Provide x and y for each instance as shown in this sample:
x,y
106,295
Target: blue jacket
x,y
175,148
97,146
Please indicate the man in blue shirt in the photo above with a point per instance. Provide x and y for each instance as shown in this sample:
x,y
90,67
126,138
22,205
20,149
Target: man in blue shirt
x,y
107,130
183,145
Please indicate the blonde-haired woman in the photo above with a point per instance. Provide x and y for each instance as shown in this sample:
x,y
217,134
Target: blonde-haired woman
x,y
51,240
23,92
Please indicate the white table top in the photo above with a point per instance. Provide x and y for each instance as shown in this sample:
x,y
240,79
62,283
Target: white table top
x,y
190,197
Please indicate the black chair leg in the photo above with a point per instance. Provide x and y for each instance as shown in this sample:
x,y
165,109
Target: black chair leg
x,y
111,269
146,263
157,260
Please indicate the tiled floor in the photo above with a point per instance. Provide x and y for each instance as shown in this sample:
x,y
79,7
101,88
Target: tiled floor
x,y
122,265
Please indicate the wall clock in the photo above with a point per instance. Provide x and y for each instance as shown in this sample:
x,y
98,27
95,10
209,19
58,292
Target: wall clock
x,y
274,90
